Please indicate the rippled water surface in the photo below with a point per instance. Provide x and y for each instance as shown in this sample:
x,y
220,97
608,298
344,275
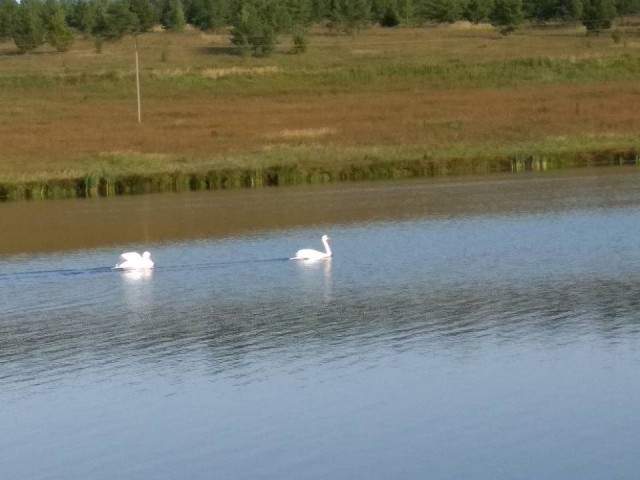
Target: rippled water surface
x,y
484,328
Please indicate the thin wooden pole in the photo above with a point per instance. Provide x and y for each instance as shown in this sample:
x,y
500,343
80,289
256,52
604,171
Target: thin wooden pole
x,y
138,81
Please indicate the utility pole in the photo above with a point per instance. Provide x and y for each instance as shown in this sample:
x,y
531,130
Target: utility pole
x,y
135,37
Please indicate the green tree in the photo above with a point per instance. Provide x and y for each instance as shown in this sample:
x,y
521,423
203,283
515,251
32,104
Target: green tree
x,y
506,14
320,9
7,12
251,30
627,7
276,14
357,14
389,18
207,14
335,15
443,11
172,15
28,30
407,10
350,16
478,11
114,21
542,10
598,15
385,12
196,14
300,12
146,13
571,10
81,15
59,35
48,9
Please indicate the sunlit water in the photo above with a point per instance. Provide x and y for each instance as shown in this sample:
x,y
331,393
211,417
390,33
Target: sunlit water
x,y
476,330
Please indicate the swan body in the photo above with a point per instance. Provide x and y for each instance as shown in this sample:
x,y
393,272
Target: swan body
x,y
134,261
311,254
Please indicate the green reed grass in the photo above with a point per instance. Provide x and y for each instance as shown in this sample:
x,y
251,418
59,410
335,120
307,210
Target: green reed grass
x,y
136,174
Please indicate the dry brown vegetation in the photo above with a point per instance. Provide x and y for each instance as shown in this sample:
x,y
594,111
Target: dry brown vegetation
x,y
61,113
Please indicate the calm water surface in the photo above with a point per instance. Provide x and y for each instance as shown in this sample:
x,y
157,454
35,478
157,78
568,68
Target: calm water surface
x,y
484,328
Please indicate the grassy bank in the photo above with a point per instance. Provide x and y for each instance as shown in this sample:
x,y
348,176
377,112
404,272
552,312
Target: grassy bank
x,y
127,174
384,104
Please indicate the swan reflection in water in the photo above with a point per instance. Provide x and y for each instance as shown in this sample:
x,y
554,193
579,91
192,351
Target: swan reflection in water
x,y
137,291
315,277
137,276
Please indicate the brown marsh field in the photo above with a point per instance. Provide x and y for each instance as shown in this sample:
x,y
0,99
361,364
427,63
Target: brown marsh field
x,y
385,103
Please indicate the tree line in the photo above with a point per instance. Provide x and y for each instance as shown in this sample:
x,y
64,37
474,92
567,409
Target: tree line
x,y
256,24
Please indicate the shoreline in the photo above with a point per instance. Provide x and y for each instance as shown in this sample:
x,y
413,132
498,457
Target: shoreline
x,y
272,173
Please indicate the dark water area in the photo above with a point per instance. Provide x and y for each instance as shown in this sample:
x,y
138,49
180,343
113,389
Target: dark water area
x,y
472,328
32,227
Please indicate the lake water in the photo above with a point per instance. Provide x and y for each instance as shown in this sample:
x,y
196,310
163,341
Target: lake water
x,y
484,328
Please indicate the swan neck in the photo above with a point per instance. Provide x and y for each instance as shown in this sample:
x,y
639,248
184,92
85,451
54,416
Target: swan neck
x,y
326,247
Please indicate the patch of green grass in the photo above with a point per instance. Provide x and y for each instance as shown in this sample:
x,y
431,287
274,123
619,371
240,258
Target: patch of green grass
x,y
497,73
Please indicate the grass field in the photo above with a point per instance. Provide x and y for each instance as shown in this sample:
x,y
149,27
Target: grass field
x,y
386,100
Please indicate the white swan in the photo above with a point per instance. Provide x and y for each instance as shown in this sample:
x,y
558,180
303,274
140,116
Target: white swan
x,y
311,254
133,260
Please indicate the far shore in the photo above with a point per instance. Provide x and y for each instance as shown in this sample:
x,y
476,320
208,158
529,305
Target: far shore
x,y
384,104
247,174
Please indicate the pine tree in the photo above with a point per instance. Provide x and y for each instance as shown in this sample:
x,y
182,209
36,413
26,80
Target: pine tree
x,y
406,8
59,35
335,15
121,19
443,11
28,30
627,7
349,16
389,18
172,15
82,15
300,11
357,15
276,14
319,9
478,11
598,15
114,21
206,14
541,10
7,12
146,13
507,14
385,12
251,31
571,10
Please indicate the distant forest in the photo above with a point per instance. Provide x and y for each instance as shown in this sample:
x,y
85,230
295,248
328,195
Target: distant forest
x,y
255,24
